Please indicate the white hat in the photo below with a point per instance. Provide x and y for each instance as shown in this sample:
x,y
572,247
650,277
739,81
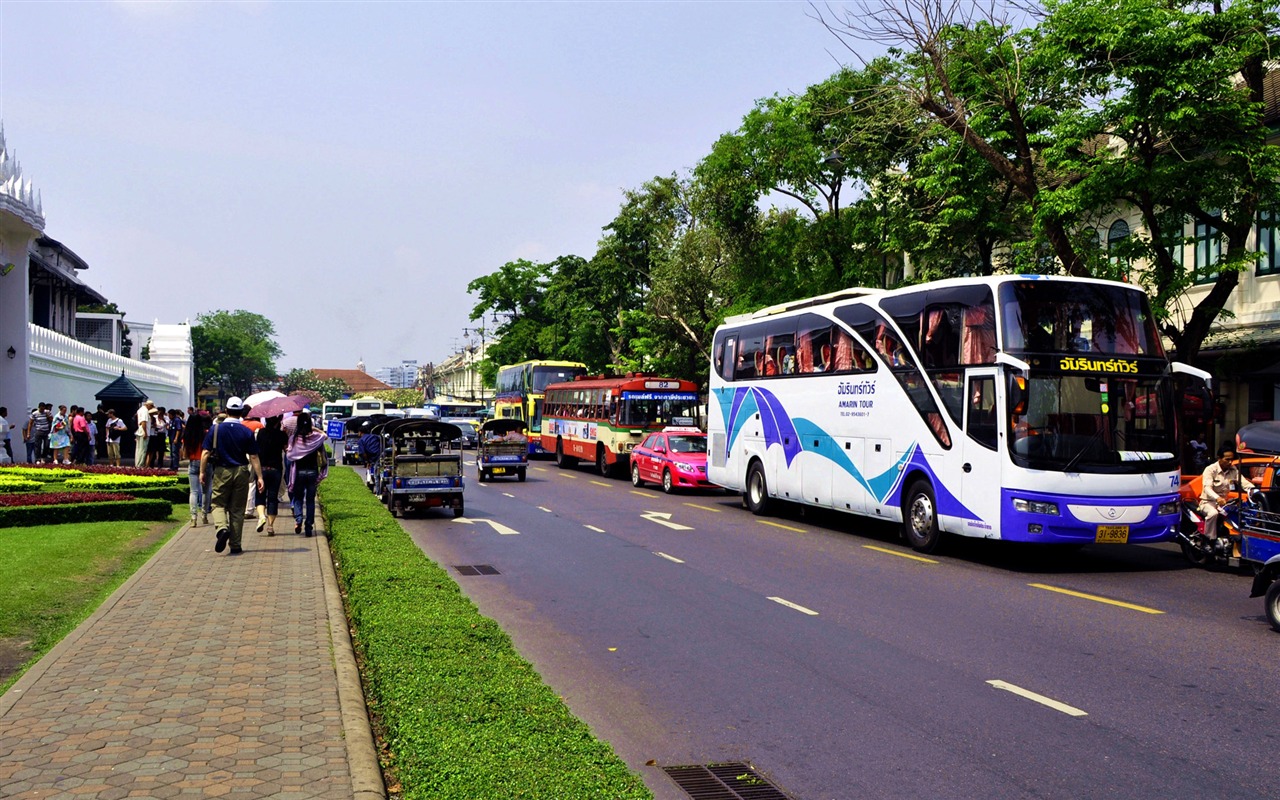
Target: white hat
x,y
235,404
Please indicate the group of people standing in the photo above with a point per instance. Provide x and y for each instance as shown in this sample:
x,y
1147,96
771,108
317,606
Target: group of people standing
x,y
76,435
243,461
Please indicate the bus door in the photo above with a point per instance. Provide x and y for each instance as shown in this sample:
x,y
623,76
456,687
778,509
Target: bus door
x,y
981,477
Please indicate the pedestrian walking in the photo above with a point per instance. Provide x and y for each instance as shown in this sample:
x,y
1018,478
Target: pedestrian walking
x,y
308,465
157,445
230,459
176,424
5,428
42,426
79,436
115,429
60,437
142,434
271,445
193,447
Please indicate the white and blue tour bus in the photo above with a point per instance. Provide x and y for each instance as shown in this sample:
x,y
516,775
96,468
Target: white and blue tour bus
x,y
1023,408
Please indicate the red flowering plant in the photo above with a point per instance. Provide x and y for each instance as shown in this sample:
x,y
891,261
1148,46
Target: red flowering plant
x,y
61,498
103,469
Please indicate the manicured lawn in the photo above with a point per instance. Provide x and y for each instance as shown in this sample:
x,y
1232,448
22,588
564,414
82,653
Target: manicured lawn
x,y
57,575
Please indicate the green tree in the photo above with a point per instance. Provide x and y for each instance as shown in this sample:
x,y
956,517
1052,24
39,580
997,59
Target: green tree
x,y
403,398
304,380
233,350
1176,93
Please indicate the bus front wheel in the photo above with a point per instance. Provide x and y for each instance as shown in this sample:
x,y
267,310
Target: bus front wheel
x,y
757,493
920,518
602,462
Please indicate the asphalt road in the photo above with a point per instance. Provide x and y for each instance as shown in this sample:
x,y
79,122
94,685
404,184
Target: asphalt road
x,y
842,665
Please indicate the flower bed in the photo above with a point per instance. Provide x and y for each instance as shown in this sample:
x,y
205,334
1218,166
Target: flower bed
x,y
16,484
61,498
40,472
108,482
82,469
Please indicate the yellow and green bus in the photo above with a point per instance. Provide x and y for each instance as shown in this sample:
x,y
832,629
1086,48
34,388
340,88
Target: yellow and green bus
x,y
521,388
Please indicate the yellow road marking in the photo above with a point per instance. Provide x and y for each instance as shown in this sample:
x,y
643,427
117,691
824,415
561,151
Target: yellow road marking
x,y
898,554
780,525
642,494
1095,598
594,528
544,508
670,558
1039,698
568,475
600,483
540,469
705,508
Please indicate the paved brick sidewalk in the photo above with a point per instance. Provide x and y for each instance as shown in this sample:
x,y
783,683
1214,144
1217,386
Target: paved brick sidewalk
x,y
205,675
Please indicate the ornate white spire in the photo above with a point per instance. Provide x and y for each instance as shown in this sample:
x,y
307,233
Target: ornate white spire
x,y
17,195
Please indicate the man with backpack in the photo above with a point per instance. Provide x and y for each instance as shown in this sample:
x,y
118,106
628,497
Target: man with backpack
x,y
230,462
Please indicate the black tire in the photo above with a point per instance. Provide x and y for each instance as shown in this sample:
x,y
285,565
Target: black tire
x,y
391,505
1273,605
520,475
602,462
920,518
457,510
668,485
756,495
636,480
480,475
1196,555
563,461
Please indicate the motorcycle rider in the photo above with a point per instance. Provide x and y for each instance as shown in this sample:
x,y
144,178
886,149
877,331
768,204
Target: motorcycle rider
x,y
1220,479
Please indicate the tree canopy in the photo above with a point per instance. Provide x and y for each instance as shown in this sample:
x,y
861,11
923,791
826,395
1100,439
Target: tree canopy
x,y
981,143
233,350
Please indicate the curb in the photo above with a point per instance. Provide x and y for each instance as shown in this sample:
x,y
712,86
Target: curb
x,y
362,755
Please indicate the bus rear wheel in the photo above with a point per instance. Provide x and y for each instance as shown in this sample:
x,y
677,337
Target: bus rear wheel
x,y
920,518
757,493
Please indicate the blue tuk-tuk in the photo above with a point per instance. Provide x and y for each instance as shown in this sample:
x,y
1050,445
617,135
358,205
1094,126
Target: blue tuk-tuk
x,y
1260,544
502,448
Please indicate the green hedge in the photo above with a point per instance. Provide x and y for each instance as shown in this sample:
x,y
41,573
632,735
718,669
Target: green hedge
x,y
463,714
17,485
170,494
118,483
141,509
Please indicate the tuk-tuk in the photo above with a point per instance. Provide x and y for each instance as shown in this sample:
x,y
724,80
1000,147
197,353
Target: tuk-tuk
x,y
502,449
418,468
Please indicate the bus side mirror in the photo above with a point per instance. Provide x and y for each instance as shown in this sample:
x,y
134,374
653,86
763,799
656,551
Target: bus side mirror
x,y
1017,395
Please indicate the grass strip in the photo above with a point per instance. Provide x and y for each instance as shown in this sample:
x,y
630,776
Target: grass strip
x,y
463,715
57,575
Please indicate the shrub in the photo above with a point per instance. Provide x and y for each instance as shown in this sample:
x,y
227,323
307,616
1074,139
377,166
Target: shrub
x,y
98,511
59,498
8,484
110,482
36,472
463,714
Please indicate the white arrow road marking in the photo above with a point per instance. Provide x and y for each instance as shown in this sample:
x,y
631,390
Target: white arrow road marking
x,y
663,518
1039,698
790,604
669,558
497,526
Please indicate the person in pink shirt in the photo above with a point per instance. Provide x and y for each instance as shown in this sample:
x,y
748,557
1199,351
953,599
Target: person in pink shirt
x,y
79,436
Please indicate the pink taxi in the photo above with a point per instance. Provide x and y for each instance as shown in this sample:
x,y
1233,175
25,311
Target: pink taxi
x,y
674,457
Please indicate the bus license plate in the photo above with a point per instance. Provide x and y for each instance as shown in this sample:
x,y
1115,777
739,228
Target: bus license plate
x,y
1112,534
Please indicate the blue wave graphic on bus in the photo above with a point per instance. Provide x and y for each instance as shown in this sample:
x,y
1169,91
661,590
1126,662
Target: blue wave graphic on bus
x,y
739,404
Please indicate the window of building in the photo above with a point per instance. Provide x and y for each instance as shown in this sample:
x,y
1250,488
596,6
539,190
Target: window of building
x,y
1208,251
1268,244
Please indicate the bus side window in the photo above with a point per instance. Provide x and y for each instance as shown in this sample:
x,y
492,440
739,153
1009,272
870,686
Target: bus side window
x,y
982,411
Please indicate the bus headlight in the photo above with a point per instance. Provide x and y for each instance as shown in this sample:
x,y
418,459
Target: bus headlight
x,y
1035,507
1165,509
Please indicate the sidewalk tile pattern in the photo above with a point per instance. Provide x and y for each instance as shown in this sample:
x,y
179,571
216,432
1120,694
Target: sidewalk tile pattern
x,y
210,676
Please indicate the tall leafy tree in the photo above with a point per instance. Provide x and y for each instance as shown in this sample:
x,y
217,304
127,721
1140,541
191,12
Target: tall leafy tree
x,y
304,380
1175,129
233,350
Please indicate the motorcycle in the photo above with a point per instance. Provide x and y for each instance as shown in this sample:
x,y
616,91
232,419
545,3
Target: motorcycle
x,y
1225,550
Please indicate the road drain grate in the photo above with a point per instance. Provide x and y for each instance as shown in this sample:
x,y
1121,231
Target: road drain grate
x,y
476,569
734,781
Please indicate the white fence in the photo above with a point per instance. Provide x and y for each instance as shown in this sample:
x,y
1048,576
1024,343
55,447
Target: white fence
x,y
64,371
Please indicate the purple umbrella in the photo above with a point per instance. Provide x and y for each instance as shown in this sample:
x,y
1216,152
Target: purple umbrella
x,y
275,407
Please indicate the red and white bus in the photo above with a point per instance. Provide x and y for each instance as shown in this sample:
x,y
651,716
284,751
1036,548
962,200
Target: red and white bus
x,y
602,419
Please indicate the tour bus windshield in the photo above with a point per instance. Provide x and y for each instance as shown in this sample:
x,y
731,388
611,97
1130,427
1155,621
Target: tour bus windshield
x,y
1087,423
545,376
657,408
1041,316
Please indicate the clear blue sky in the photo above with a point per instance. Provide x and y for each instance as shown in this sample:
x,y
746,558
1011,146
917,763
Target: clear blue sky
x,y
345,169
